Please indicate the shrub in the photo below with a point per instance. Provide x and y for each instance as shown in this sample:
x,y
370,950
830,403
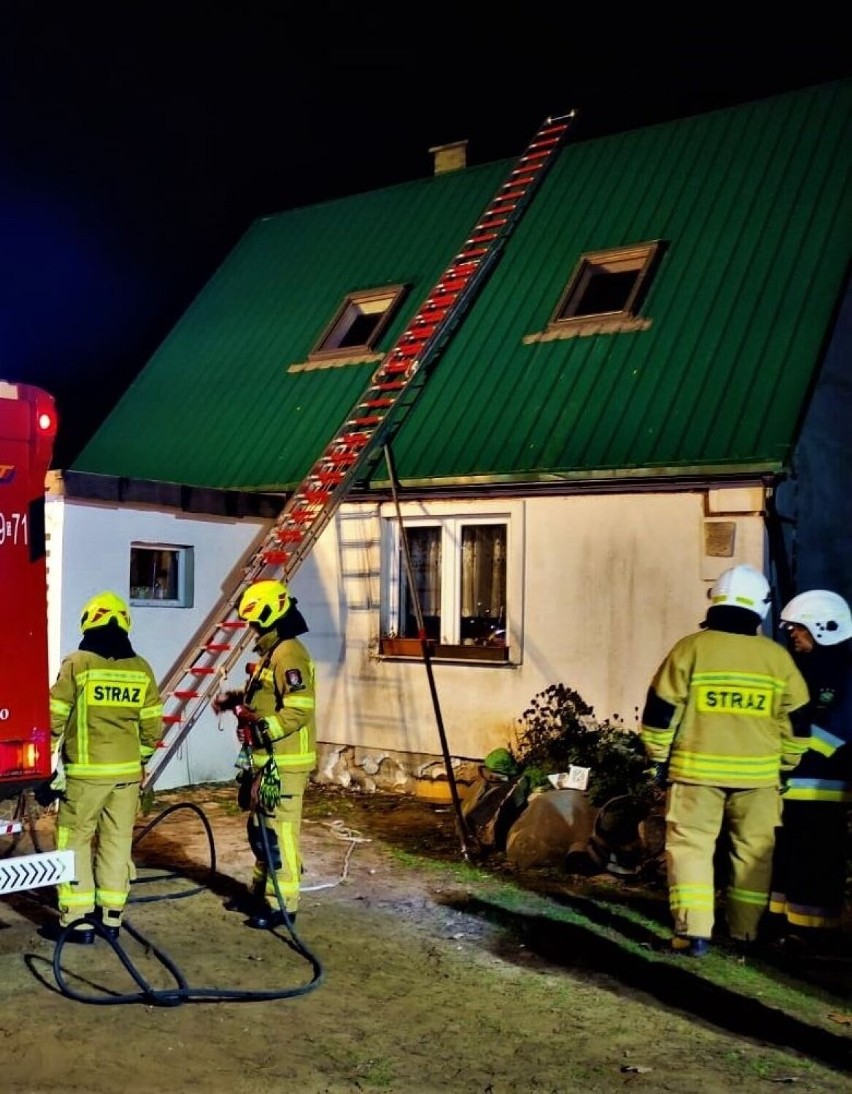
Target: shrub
x,y
559,729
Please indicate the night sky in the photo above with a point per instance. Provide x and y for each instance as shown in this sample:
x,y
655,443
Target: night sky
x,y
138,141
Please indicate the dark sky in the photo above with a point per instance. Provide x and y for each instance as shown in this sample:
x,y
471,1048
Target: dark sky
x,y
139,141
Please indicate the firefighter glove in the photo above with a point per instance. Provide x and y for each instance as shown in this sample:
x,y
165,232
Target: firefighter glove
x,y
659,774
228,700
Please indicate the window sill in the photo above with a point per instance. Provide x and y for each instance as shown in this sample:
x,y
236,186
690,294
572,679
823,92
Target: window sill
x,y
411,648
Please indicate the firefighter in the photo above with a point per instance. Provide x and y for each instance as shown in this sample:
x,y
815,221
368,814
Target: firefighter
x,y
106,718
809,873
717,728
277,728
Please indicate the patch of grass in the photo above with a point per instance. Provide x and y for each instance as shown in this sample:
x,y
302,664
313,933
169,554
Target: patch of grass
x,y
377,1072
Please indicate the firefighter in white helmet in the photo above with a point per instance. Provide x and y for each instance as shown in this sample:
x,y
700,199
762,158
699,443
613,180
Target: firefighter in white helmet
x,y
106,719
717,727
809,875
276,725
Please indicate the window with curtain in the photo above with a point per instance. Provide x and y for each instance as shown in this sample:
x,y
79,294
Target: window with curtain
x,y
458,570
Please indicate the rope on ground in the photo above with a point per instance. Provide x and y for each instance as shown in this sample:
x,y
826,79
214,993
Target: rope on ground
x,y
351,836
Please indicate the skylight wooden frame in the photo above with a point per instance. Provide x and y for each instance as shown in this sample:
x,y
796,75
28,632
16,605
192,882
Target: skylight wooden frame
x,y
576,304
334,342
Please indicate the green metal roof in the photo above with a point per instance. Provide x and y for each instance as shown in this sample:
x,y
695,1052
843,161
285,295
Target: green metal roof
x,y
754,203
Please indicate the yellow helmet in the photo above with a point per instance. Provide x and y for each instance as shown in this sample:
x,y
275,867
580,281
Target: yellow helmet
x,y
264,603
103,607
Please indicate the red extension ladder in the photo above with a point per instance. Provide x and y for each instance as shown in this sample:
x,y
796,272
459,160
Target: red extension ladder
x,y
197,675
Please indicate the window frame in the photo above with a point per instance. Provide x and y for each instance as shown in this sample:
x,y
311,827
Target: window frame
x,y
564,322
185,562
451,522
353,302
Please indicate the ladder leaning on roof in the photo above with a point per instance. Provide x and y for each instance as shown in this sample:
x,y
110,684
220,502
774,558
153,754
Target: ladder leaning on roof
x,y
377,415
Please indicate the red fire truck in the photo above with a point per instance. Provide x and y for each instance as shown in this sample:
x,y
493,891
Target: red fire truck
x,y
28,424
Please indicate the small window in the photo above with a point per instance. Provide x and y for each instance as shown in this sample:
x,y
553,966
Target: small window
x,y
609,284
459,573
161,575
359,323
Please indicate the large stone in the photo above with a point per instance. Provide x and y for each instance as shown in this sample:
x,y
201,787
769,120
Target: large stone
x,y
554,824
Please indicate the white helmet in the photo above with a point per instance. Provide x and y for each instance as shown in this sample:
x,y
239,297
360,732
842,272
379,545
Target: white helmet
x,y
826,615
742,587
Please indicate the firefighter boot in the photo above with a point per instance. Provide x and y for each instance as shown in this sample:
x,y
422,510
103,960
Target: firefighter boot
x,y
686,946
266,918
110,923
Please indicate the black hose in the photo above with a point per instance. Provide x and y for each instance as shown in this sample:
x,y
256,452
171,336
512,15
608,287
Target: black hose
x,y
182,992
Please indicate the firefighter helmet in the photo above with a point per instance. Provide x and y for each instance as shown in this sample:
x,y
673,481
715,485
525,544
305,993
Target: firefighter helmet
x,y
826,616
742,587
264,603
103,608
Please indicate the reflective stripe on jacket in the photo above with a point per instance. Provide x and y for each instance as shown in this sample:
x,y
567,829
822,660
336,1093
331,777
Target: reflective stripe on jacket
x,y
721,706
108,715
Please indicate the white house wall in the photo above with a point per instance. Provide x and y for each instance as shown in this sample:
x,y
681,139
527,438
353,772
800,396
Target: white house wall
x,y
95,555
608,582
603,585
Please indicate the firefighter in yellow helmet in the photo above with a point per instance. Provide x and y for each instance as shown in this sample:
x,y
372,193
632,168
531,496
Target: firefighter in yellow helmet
x,y
106,719
720,725
277,728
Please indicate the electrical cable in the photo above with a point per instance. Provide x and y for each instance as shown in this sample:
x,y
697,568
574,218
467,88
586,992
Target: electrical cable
x,y
182,992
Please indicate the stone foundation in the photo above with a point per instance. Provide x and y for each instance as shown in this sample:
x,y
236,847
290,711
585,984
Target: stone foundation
x,y
420,774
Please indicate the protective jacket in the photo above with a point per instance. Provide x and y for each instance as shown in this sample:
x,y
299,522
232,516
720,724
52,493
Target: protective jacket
x,y
718,711
825,771
281,691
108,715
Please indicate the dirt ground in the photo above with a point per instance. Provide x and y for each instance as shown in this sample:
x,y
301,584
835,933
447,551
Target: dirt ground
x,y
412,970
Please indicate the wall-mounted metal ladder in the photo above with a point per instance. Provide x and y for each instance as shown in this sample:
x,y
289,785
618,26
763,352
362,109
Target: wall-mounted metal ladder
x,y
377,415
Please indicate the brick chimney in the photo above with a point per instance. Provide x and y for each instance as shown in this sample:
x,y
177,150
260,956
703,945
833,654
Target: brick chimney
x,y
450,157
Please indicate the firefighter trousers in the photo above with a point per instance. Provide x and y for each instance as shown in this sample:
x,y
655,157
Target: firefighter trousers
x,y
695,818
809,879
104,813
280,841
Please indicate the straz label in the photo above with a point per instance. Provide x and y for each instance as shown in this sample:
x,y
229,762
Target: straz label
x,y
113,695
754,701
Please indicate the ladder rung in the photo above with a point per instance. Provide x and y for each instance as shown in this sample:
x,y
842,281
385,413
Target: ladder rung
x,y
202,670
172,720
277,558
415,335
345,458
316,497
434,313
186,694
394,368
390,385
290,535
330,477
483,237
371,403
505,205
372,419
217,647
232,624
474,252
441,300
355,438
